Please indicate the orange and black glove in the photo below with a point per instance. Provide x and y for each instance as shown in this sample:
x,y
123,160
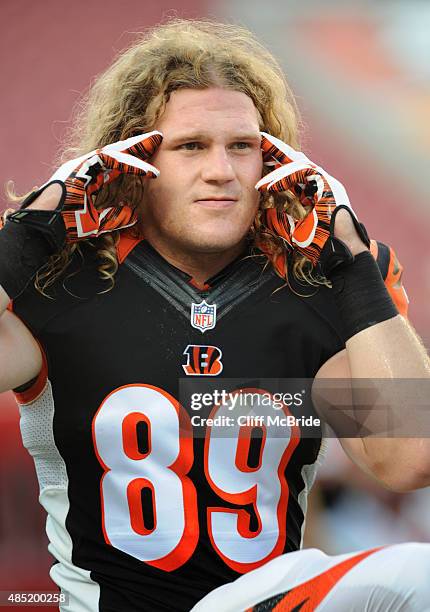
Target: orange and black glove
x,y
319,192
76,217
29,235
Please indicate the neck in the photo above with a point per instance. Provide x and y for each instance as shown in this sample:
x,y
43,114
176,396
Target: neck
x,y
199,265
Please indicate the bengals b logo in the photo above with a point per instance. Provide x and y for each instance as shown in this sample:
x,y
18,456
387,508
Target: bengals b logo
x,y
202,360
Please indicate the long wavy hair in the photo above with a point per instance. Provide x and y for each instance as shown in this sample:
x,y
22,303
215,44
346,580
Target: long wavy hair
x,y
130,96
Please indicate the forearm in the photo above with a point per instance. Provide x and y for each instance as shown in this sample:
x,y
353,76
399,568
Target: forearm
x,y
396,463
389,354
385,358
390,349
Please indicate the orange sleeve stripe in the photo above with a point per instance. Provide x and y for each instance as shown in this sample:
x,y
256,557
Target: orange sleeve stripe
x,y
33,392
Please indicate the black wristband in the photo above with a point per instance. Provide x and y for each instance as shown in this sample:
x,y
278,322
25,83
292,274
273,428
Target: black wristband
x,y
50,223
361,295
23,251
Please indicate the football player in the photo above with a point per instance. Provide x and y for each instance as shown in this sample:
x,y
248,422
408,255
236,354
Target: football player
x,y
189,238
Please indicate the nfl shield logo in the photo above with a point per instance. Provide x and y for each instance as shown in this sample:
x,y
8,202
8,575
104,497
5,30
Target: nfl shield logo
x,y
203,316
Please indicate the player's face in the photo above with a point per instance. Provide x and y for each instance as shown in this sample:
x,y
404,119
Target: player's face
x,y
204,200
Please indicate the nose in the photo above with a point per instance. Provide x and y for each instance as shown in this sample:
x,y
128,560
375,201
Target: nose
x,y
217,166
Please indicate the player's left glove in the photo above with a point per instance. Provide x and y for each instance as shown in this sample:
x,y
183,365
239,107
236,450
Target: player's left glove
x,y
312,236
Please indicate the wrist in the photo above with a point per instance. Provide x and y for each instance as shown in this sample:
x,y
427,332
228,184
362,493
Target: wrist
x,y
23,251
358,248
360,295
48,199
41,212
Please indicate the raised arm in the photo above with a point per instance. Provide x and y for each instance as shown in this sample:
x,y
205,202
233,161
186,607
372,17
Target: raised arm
x,y
20,354
380,344
62,210
389,353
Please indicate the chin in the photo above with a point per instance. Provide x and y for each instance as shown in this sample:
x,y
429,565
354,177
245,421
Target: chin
x,y
222,236
215,245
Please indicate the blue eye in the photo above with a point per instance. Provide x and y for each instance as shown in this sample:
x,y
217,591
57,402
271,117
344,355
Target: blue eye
x,y
189,146
246,145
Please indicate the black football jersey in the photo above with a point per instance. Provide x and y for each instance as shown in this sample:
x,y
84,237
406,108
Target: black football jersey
x,y
145,510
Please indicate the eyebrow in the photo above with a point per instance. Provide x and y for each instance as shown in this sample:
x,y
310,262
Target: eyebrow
x,y
190,136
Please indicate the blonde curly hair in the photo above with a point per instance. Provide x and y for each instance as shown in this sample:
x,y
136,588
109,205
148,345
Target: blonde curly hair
x,y
130,96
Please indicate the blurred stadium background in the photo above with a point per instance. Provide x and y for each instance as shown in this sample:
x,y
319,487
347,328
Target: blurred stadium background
x,y
361,73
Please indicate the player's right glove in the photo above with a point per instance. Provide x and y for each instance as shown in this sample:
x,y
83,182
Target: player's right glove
x,y
29,236
81,179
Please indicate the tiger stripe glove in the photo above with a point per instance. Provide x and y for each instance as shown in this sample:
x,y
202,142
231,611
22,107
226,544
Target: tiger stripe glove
x,y
76,217
313,236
